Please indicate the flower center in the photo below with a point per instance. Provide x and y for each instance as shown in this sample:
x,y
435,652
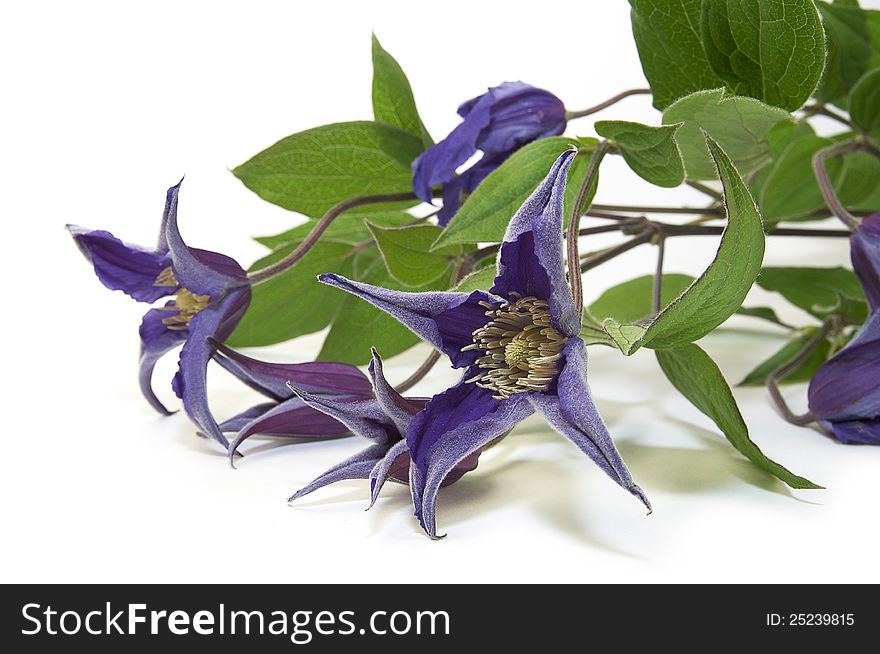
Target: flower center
x,y
521,348
186,304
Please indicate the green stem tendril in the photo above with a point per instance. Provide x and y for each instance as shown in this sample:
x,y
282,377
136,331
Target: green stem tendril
x,y
821,173
789,367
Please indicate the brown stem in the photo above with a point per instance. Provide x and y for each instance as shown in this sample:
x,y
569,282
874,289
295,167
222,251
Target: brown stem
x,y
637,209
822,110
308,243
574,219
570,115
419,373
658,273
610,253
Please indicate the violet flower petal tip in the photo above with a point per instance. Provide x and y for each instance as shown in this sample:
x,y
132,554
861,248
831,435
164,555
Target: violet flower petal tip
x,y
639,493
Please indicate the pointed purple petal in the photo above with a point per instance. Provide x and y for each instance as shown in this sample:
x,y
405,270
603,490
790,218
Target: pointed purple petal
x,y
857,432
123,267
355,467
865,251
531,260
393,465
291,418
363,417
399,409
200,271
455,425
213,323
445,319
314,376
846,387
574,415
239,421
156,340
437,164
521,114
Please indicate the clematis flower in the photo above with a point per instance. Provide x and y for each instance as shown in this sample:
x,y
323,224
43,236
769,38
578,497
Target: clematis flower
x,y
210,293
844,394
286,414
384,420
498,123
519,346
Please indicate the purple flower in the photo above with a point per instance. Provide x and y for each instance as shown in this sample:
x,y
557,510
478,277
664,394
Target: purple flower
x,y
520,349
210,295
285,414
844,393
498,123
384,420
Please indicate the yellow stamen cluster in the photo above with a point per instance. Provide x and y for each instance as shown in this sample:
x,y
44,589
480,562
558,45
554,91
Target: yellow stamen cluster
x,y
186,304
521,347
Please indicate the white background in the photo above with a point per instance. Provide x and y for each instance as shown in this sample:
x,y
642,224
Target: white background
x,y
107,104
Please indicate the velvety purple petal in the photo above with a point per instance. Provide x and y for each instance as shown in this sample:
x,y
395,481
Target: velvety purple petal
x,y
857,432
466,182
363,417
396,463
455,424
521,114
397,408
271,379
156,340
239,421
846,386
865,251
437,164
123,267
213,323
531,259
291,418
574,415
452,191
200,271
445,319
355,467
393,465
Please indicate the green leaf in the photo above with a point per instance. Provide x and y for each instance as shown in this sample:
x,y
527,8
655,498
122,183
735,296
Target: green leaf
x,y
772,50
393,100
719,292
787,189
721,289
853,37
740,126
293,303
480,280
348,227
695,375
803,373
670,46
790,189
632,301
314,170
359,325
408,256
820,292
864,102
651,152
764,313
485,214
